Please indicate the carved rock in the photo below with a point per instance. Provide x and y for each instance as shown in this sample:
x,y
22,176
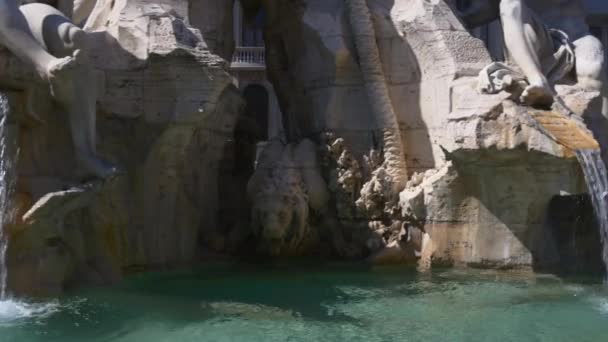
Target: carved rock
x,y
507,161
483,169
286,190
166,112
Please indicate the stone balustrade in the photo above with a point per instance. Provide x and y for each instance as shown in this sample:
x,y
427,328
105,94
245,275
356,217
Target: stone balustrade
x,y
249,57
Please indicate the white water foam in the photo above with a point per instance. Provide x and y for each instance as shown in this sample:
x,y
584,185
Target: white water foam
x,y
599,303
12,311
602,305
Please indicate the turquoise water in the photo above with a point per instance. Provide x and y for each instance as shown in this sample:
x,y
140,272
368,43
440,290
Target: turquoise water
x,y
247,304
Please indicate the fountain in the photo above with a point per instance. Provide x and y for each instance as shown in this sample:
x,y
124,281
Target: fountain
x,y
597,182
7,186
11,309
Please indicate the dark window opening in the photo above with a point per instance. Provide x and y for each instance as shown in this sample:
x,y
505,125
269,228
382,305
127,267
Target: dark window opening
x,y
253,30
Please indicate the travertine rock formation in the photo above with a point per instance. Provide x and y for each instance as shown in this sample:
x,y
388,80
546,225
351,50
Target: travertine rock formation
x,y
482,169
364,35
431,65
166,111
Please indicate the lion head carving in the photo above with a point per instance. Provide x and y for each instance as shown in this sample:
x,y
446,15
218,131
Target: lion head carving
x,y
281,190
280,222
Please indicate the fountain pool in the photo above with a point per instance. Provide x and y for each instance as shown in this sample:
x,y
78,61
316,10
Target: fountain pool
x,y
259,304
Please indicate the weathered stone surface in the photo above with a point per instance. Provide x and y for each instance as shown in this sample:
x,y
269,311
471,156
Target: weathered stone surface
x,y
574,229
483,169
44,251
423,49
166,112
214,20
485,208
508,162
490,210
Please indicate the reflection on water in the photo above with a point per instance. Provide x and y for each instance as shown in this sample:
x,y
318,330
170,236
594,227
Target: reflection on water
x,y
332,305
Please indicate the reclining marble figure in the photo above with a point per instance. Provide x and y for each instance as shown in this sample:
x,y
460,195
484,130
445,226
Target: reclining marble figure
x,y
77,10
545,40
42,36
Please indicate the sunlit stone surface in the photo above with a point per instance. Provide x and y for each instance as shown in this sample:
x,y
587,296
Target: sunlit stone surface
x,y
387,152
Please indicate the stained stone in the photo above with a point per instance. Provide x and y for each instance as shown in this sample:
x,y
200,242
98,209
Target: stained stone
x,y
391,153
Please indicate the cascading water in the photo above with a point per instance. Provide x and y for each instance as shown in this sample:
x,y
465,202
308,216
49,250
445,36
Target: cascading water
x,y
11,310
7,185
596,177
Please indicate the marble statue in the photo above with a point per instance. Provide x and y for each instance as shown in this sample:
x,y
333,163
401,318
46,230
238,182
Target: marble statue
x,y
77,10
286,188
81,9
545,40
44,37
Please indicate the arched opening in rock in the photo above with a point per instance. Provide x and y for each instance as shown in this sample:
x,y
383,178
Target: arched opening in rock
x,y
249,67
251,128
256,109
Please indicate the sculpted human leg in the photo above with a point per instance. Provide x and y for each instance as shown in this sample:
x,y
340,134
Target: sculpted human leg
x,y
589,62
526,39
75,91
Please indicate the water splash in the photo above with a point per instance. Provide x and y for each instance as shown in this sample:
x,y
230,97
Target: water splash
x,y
596,178
7,186
14,311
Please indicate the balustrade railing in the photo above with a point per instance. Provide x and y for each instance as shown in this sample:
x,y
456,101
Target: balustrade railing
x,y
249,57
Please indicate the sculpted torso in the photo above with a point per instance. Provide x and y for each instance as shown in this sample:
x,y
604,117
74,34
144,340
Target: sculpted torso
x,y
566,15
531,43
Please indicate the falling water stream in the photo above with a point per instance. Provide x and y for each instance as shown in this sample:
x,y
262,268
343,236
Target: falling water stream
x,y
7,180
597,182
11,309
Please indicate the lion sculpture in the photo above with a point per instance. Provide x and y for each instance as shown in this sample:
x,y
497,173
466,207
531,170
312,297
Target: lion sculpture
x,y
285,189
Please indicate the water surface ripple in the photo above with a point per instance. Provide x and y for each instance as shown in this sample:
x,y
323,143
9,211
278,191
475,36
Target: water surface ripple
x,y
312,305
